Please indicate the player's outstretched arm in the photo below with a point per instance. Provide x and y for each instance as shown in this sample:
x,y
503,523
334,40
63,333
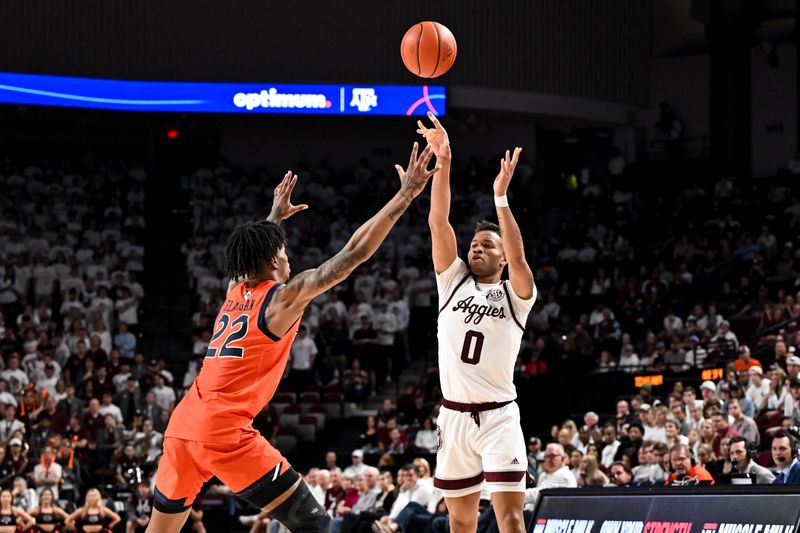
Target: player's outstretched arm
x,y
290,300
519,273
282,208
443,238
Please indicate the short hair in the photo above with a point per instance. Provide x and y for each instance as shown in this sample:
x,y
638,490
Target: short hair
x,y
681,448
485,225
739,438
250,246
411,467
625,467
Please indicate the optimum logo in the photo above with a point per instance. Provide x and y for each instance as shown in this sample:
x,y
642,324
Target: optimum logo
x,y
272,99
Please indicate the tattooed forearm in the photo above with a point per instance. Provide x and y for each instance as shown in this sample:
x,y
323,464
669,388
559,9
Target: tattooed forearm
x,y
336,268
396,213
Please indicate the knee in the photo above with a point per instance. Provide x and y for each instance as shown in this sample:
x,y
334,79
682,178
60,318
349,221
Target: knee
x,y
460,524
512,522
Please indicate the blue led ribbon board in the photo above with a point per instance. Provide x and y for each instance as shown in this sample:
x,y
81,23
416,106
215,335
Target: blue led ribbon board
x,y
243,98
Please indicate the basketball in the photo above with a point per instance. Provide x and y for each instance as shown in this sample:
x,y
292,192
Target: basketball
x,y
428,49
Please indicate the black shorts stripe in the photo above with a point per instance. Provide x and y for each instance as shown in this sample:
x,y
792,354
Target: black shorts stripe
x,y
505,477
457,484
165,505
455,290
268,487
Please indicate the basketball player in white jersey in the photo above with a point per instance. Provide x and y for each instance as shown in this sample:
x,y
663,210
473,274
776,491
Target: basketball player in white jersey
x,y
480,327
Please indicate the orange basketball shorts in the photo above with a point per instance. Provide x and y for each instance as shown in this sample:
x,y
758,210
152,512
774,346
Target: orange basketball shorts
x,y
252,469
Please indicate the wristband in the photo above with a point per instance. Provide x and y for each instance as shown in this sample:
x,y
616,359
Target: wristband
x,y
501,201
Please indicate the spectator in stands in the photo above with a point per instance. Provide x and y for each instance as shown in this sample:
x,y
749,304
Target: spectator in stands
x,y
743,425
555,474
610,445
759,388
335,492
108,442
355,383
368,501
357,466
685,472
591,475
630,444
411,492
129,399
125,341
152,411
70,404
48,473
303,352
745,360
25,498
741,454
621,475
721,429
140,507
623,415
784,454
9,425
427,438
16,457
164,394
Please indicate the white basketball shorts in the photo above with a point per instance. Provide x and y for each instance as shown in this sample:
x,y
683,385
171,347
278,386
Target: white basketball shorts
x,y
470,454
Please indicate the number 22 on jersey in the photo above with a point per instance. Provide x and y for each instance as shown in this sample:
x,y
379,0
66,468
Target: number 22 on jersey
x,y
232,332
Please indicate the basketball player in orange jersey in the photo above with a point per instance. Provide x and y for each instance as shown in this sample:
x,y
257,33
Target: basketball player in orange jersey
x,y
211,433
480,327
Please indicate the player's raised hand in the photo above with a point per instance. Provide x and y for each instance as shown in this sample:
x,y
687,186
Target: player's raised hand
x,y
282,207
416,175
507,167
436,137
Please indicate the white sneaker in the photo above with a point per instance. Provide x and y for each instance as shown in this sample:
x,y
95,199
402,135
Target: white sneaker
x,y
248,520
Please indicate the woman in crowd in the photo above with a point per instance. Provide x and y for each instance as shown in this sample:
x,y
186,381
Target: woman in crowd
x,y
591,475
49,517
94,516
369,439
427,439
11,516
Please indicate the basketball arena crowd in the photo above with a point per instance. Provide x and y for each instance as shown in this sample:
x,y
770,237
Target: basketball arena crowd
x,y
629,280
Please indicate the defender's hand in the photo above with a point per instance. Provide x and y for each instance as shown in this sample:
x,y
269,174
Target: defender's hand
x,y
282,207
436,137
414,178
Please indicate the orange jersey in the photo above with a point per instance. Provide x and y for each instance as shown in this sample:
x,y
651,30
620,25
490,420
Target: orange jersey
x,y
241,370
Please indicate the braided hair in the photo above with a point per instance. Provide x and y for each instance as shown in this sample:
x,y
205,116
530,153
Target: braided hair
x,y
250,246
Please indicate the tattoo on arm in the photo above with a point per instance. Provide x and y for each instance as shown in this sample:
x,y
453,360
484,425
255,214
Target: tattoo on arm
x,y
336,268
397,213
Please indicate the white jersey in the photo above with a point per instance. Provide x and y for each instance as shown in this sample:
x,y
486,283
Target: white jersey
x,y
480,329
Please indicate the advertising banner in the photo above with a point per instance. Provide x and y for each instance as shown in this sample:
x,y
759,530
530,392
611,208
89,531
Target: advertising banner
x,y
750,509
246,98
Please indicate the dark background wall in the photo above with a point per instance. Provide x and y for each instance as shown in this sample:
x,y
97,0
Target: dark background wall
x,y
598,50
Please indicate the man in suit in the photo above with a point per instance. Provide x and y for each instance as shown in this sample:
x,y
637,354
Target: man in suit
x,y
784,453
129,399
151,411
743,462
